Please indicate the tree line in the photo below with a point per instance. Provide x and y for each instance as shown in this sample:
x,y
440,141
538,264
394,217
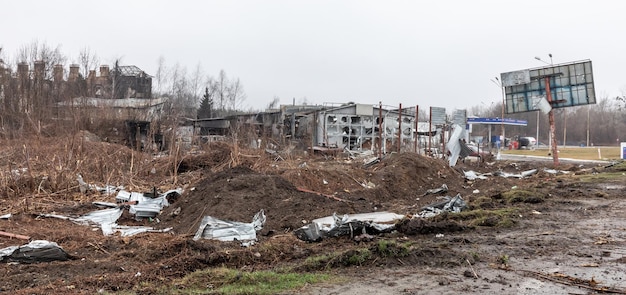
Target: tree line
x,y
29,99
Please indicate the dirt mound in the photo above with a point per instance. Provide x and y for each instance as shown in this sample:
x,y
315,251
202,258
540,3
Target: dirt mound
x,y
411,174
238,193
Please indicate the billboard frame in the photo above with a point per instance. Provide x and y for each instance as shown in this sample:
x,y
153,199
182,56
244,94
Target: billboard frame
x,y
569,84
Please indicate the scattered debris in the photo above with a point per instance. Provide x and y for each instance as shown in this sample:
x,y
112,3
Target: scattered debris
x,y
273,153
519,175
17,236
560,278
85,187
6,216
221,230
554,171
106,219
352,225
370,161
472,175
321,194
453,144
35,251
442,189
147,205
455,205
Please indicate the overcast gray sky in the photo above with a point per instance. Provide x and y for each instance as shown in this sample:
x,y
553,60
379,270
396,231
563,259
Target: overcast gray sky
x,y
430,53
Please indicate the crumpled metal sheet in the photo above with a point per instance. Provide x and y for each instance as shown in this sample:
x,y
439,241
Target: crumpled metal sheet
x,y
454,205
107,220
348,225
35,251
472,175
517,175
223,230
147,206
442,189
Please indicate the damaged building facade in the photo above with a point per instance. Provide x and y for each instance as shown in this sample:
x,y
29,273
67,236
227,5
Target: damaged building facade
x,y
347,127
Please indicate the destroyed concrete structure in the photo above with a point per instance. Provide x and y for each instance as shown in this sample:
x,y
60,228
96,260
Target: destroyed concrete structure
x,y
331,127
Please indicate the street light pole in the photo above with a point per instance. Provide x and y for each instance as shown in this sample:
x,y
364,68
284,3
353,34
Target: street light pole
x,y
537,138
503,139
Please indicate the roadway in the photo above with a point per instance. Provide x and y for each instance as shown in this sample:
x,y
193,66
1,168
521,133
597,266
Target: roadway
x,y
512,157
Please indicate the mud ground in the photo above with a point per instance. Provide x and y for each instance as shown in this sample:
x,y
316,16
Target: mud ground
x,y
561,236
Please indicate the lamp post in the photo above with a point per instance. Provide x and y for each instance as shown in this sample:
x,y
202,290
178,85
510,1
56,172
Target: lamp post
x,y
503,140
550,135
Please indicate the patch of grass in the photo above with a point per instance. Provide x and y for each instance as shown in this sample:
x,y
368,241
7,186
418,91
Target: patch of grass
x,y
483,202
319,261
389,248
355,257
503,260
230,281
494,218
621,166
602,177
521,196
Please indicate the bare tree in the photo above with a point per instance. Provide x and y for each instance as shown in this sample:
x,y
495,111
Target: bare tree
x,y
196,84
221,88
161,74
275,103
88,60
236,95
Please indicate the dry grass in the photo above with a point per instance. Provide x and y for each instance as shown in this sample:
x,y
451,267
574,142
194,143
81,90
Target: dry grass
x,y
582,153
48,167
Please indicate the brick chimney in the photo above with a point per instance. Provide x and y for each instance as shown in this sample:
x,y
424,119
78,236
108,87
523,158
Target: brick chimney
x,y
104,71
74,70
40,66
58,73
22,70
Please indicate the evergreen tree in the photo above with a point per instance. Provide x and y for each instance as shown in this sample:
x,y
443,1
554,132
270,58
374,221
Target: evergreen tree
x,y
206,105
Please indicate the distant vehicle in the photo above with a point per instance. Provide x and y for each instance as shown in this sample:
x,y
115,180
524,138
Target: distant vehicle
x,y
480,153
527,142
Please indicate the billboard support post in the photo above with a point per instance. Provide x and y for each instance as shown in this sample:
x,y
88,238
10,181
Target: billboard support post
x,y
380,129
430,130
417,137
555,154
